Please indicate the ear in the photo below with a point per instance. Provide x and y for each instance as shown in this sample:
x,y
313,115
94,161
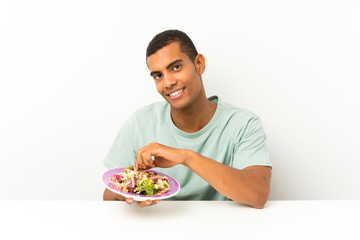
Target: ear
x,y
200,63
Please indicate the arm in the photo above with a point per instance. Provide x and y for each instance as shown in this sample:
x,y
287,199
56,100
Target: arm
x,y
249,186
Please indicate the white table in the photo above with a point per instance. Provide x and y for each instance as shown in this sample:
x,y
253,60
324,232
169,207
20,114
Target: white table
x,y
179,220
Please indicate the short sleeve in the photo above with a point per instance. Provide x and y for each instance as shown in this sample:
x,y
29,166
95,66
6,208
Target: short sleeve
x,y
250,148
122,153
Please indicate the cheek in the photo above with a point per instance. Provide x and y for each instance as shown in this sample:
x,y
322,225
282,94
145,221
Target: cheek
x,y
195,83
158,86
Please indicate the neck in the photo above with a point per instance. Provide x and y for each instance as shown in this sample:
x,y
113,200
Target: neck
x,y
195,117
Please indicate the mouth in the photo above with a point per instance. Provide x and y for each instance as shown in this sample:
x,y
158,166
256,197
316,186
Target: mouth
x,y
176,94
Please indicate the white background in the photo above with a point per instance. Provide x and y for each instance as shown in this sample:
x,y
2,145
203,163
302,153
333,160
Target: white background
x,y
73,71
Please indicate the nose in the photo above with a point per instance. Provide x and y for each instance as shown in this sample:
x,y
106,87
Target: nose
x,y
169,82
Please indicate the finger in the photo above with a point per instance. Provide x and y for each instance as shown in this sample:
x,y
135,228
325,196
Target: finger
x,y
139,165
138,162
144,203
146,156
142,166
129,200
155,202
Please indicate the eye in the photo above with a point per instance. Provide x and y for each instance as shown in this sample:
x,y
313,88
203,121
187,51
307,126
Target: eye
x,y
176,67
157,77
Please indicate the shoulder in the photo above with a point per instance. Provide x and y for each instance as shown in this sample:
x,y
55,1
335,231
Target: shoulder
x,y
152,109
235,113
149,113
244,124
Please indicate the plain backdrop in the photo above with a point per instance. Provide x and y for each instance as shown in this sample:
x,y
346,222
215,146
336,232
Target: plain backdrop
x,y
73,71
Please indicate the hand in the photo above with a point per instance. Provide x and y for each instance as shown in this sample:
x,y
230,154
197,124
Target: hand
x,y
164,156
143,203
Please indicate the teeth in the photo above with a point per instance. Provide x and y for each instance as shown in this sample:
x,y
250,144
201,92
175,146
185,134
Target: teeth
x,y
176,93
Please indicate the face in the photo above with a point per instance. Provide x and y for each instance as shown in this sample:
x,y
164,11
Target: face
x,y
177,78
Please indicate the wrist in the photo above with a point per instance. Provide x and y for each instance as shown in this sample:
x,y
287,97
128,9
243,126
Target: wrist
x,y
189,156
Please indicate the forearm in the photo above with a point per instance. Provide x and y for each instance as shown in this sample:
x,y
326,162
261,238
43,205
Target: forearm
x,y
250,186
111,196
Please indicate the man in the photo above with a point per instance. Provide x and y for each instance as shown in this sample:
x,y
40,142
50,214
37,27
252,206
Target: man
x,y
215,150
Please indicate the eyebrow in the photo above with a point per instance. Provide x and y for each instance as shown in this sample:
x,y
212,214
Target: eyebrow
x,y
168,66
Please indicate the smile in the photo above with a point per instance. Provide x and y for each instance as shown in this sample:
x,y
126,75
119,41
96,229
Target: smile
x,y
176,93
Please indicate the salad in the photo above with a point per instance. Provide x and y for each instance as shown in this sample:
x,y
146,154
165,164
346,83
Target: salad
x,y
140,182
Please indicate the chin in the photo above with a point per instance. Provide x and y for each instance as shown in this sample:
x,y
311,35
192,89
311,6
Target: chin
x,y
179,106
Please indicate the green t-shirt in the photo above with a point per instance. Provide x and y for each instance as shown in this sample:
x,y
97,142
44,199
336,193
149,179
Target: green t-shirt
x,y
233,137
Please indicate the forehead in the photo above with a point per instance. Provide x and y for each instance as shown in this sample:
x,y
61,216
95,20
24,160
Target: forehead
x,y
166,55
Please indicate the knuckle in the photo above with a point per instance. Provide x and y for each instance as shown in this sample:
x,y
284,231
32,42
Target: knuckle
x,y
154,144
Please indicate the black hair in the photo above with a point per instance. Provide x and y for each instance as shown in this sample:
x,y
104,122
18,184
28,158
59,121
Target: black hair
x,y
169,36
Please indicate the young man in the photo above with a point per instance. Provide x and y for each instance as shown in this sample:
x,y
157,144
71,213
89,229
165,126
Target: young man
x,y
215,150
